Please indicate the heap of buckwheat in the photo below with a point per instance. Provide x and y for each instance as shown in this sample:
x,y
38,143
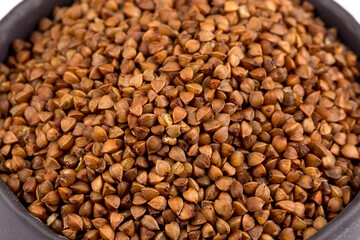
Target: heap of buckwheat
x,y
163,119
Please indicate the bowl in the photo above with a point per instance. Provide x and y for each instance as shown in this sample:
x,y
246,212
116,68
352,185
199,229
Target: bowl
x,y
17,223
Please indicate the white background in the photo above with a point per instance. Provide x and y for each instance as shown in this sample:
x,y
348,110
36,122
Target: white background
x,y
352,6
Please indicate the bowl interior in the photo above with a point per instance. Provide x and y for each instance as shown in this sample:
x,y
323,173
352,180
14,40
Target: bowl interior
x,y
16,222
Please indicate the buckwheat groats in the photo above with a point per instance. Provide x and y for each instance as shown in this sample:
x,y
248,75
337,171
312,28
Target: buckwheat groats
x,y
163,119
